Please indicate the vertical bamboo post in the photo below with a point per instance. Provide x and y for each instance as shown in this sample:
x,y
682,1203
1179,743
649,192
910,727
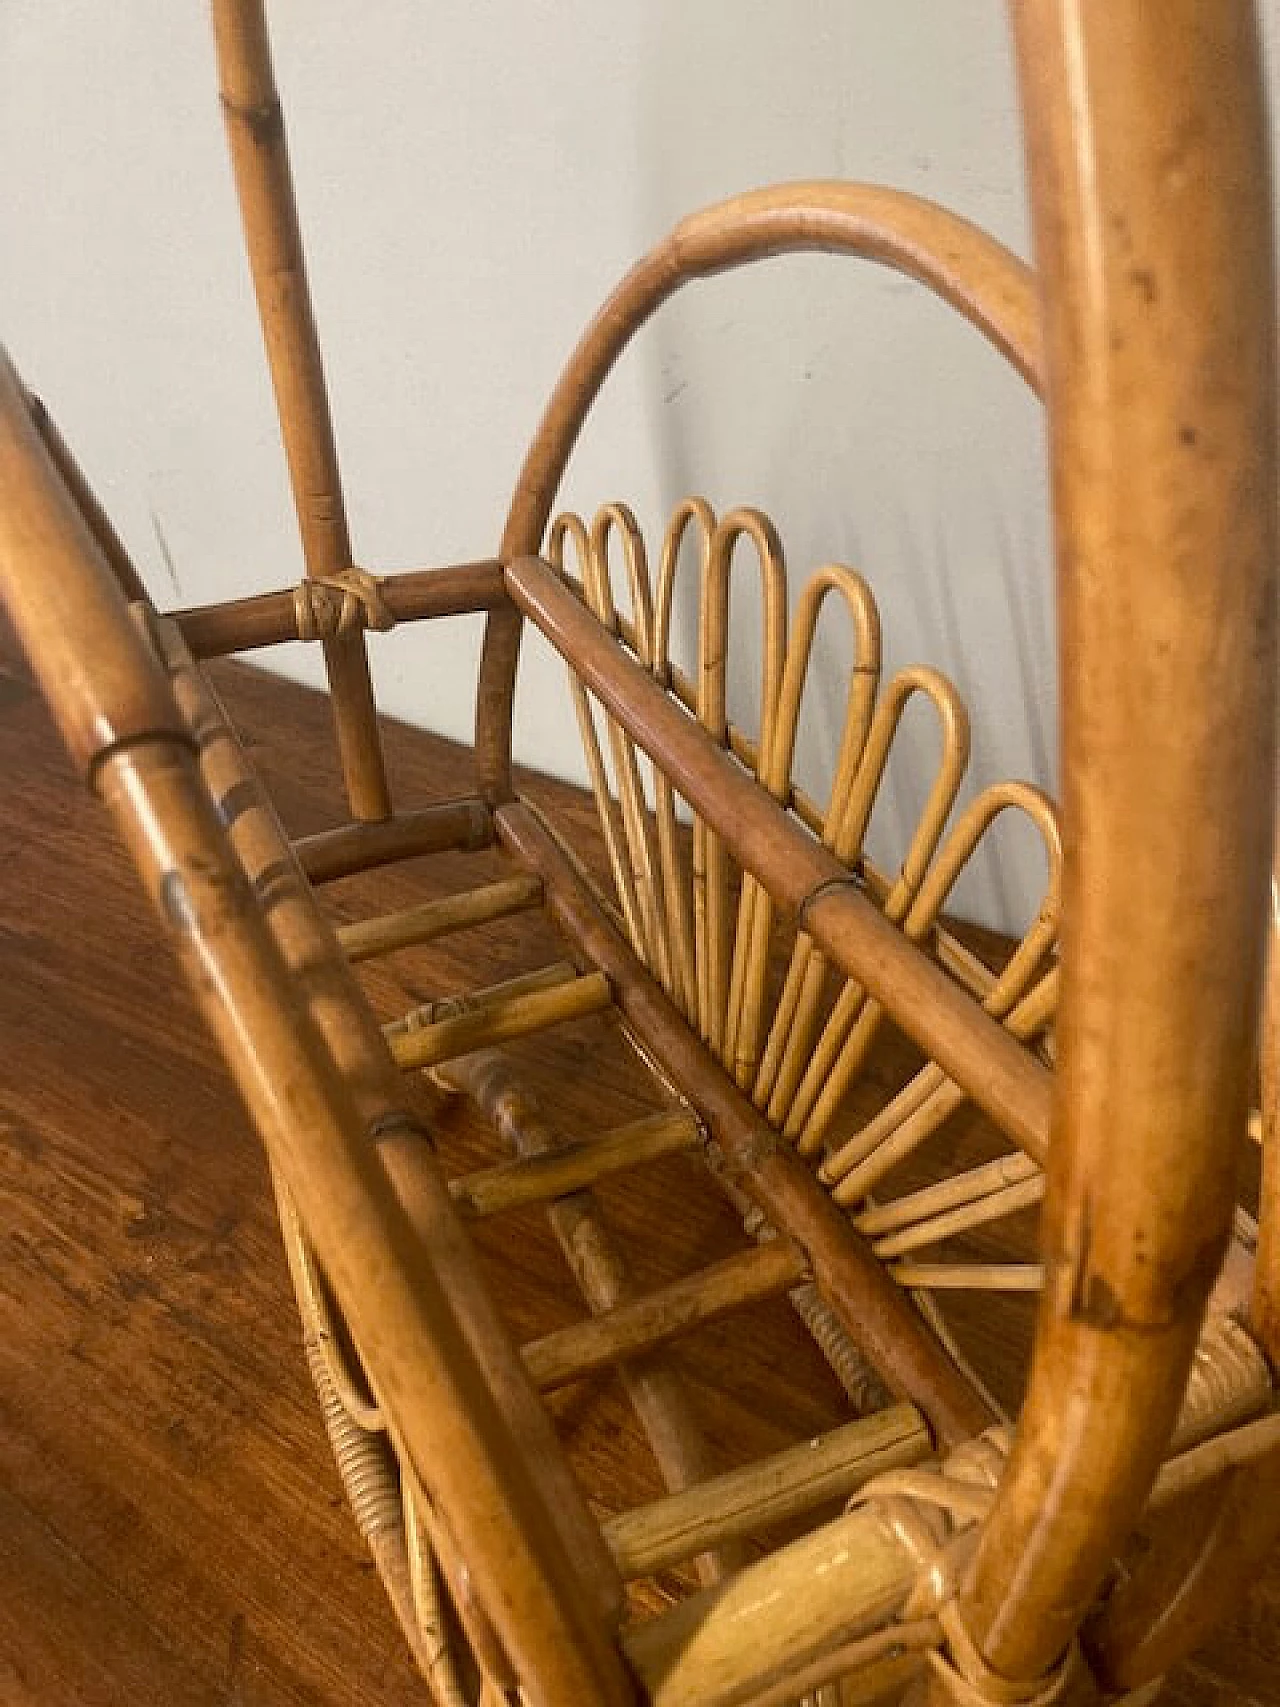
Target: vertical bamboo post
x,y
264,185
1147,146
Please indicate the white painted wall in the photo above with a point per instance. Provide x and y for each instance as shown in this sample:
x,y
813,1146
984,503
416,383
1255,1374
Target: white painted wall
x,y
473,175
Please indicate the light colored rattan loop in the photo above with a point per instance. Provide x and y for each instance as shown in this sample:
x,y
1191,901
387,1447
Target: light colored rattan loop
x,y
934,1513
330,605
971,1682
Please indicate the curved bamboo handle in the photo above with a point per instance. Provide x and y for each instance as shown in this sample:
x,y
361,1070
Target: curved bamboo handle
x,y
1148,153
981,279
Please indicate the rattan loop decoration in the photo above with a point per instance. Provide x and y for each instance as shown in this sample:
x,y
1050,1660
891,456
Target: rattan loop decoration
x,y
330,605
934,1513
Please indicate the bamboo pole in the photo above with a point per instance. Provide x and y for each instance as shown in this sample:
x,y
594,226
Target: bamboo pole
x,y
734,1283
411,926
264,185
552,976
125,728
984,282
575,1166
411,595
95,517
844,1581
499,1021
655,1387
804,878
341,852
1148,145
759,1497
881,1320
327,987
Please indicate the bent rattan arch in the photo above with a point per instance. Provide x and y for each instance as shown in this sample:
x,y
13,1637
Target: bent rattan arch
x,y
743,942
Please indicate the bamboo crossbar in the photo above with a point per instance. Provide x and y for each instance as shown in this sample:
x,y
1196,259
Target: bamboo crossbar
x,y
758,1497
735,1283
573,1167
553,975
1002,1077
657,1389
880,1319
341,852
433,919
843,1581
499,1018
412,595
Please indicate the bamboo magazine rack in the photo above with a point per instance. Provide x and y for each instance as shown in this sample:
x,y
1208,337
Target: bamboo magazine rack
x,y
939,1544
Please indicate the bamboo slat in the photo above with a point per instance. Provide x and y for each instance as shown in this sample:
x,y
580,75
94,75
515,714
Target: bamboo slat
x,y
400,1311
844,1581
731,1284
774,1490
573,1167
498,1018
341,852
655,1386
327,989
264,186
554,975
432,919
879,1318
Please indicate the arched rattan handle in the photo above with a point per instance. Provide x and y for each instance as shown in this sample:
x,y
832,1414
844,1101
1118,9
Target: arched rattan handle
x,y
979,277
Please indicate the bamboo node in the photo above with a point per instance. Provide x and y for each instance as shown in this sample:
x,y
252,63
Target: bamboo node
x,y
326,606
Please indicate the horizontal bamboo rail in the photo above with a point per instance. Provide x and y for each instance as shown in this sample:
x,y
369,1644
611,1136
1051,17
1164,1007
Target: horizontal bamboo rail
x,y
880,1319
341,852
758,1497
271,619
500,1021
734,1283
1002,1077
575,1166
415,925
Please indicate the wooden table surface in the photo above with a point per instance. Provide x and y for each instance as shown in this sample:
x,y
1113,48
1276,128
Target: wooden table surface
x,y
171,1525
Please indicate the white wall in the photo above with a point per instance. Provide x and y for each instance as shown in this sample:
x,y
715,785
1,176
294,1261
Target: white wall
x,y
472,178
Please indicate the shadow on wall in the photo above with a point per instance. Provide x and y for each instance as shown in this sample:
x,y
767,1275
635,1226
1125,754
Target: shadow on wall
x,y
872,424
